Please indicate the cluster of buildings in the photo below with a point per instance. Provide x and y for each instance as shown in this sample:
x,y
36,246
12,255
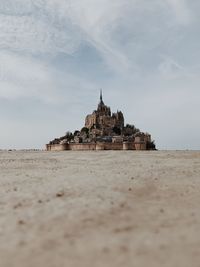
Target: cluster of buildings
x,y
103,130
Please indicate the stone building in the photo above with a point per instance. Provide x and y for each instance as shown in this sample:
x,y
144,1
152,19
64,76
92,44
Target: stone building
x,y
103,130
102,122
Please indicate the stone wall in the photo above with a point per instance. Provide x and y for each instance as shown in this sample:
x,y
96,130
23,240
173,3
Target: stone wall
x,y
98,146
79,147
128,146
57,147
90,120
140,146
109,146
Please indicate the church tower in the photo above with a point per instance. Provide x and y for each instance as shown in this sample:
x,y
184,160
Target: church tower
x,y
102,108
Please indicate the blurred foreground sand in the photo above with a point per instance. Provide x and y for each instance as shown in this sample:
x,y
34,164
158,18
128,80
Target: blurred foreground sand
x,y
100,209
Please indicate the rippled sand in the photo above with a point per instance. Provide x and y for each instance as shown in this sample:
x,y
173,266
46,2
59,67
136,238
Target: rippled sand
x,y
104,209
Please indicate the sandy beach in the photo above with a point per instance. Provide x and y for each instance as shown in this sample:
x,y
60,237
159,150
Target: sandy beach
x,y
100,209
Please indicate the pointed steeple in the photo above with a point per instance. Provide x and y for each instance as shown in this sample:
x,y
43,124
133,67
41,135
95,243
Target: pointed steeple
x,y
102,109
101,97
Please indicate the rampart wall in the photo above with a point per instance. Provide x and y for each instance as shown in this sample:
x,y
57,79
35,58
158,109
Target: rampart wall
x,y
78,147
140,146
109,146
97,146
57,147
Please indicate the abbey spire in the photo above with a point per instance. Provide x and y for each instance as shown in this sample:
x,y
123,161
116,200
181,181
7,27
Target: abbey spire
x,y
101,97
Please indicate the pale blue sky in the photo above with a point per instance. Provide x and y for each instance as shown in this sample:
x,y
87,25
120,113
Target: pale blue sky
x,y
55,55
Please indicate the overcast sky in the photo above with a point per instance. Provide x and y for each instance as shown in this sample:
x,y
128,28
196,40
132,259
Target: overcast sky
x,y
55,55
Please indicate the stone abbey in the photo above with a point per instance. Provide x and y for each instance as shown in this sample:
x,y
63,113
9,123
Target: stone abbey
x,y
103,130
102,123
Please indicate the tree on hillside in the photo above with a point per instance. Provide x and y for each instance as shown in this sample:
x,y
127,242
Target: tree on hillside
x,y
117,130
130,130
69,136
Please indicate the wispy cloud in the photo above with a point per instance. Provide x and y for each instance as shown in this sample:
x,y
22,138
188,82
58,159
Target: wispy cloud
x,y
181,10
35,27
22,76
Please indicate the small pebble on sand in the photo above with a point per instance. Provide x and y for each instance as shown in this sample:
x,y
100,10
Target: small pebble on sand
x,y
60,194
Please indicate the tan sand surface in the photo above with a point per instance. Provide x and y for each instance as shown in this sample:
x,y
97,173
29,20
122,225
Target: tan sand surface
x,y
100,209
